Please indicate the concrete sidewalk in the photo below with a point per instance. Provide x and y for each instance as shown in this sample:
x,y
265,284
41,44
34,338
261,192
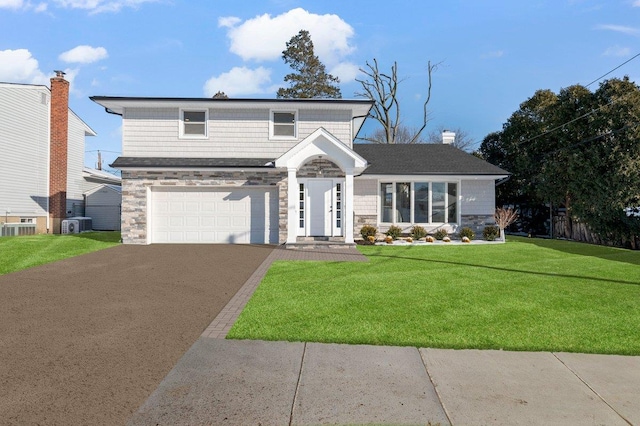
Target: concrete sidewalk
x,y
234,382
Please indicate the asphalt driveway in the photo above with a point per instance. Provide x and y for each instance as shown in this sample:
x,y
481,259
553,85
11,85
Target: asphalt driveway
x,y
86,340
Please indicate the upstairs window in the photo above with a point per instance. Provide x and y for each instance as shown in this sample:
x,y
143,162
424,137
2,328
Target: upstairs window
x,y
283,124
193,123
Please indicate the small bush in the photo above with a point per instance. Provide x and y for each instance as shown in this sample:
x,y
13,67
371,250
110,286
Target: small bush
x,y
418,232
491,233
371,239
446,239
394,232
440,234
429,239
466,240
409,240
368,231
467,232
388,239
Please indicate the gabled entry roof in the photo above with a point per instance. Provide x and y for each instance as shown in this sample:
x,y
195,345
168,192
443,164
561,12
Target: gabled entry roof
x,y
322,145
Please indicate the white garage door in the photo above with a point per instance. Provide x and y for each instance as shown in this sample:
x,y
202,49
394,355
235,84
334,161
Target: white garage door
x,y
214,215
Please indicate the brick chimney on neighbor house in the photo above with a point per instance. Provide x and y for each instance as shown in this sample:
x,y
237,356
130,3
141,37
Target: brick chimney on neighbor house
x,y
59,123
448,138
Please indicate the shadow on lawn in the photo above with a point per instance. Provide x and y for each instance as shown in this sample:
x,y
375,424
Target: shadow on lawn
x,y
497,268
584,249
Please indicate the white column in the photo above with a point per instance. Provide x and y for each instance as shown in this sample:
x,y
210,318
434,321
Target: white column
x,y
348,206
292,200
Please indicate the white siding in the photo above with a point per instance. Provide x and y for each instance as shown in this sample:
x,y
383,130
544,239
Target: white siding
x,y
478,197
75,165
154,132
24,149
365,196
103,207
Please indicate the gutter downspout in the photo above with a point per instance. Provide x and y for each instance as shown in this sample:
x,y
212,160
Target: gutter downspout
x,y
48,161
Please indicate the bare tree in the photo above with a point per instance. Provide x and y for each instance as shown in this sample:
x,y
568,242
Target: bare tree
x,y
382,88
403,135
504,218
463,141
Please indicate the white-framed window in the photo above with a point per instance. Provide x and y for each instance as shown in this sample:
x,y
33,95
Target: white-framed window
x,y
193,123
419,202
27,220
284,125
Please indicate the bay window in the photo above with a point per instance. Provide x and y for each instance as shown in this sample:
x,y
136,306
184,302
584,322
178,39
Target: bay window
x,y
419,202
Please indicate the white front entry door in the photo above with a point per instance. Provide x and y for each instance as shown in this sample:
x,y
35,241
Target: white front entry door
x,y
320,209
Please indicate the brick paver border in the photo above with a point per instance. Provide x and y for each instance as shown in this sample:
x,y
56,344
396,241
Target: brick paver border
x,y
221,325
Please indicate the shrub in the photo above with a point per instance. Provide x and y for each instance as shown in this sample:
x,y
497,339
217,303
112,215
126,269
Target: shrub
x,y
490,233
368,231
446,239
429,239
371,239
394,232
467,232
466,240
388,239
418,232
409,240
440,234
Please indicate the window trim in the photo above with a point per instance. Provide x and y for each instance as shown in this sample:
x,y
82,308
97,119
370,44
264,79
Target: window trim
x,y
412,183
181,123
272,124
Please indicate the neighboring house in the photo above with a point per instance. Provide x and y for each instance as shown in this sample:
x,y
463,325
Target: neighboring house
x,y
273,171
41,155
102,199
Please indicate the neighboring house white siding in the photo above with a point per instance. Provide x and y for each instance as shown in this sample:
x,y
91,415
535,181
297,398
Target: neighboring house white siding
x,y
155,132
75,165
478,197
103,207
24,150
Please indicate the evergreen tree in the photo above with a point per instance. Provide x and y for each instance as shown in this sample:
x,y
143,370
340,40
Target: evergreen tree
x,y
310,79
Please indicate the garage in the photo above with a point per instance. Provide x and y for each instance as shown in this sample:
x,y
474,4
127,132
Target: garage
x,y
214,215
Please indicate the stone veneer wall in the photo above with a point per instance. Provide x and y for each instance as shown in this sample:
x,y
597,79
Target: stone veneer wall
x,y
360,221
135,184
320,169
477,222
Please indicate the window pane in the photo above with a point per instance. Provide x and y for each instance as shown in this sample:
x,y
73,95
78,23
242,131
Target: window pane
x,y
283,130
284,118
421,210
452,200
194,128
194,116
386,194
438,200
403,202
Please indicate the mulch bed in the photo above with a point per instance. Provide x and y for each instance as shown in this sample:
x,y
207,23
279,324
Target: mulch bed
x,y
86,340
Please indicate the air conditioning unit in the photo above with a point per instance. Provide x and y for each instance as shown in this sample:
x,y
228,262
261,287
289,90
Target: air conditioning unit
x,y
70,226
84,223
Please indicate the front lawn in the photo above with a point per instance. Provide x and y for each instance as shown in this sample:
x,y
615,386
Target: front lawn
x,y
528,294
18,253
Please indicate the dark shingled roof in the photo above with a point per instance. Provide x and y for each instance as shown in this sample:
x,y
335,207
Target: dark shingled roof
x,y
422,159
143,162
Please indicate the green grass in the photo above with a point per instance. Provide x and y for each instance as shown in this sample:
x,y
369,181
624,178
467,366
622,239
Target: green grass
x,y
528,294
17,253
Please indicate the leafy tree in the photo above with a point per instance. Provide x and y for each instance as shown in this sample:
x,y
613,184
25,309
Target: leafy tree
x,y
577,149
382,89
310,79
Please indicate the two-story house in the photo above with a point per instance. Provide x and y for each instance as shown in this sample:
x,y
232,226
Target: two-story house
x,y
271,171
41,155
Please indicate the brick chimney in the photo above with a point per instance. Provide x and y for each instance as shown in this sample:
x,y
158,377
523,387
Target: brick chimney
x,y
59,122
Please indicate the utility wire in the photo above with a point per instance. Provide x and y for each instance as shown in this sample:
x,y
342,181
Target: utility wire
x,y
604,75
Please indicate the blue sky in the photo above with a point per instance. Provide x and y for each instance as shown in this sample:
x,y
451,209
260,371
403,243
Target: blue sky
x,y
493,54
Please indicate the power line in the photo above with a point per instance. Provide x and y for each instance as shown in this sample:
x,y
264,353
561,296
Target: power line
x,y
604,75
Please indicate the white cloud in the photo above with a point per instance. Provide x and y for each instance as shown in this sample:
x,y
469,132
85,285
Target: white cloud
x,y
617,51
346,72
84,54
619,28
99,6
264,37
240,81
18,66
42,7
636,3
11,4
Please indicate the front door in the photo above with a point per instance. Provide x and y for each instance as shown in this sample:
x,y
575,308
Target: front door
x,y
320,211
